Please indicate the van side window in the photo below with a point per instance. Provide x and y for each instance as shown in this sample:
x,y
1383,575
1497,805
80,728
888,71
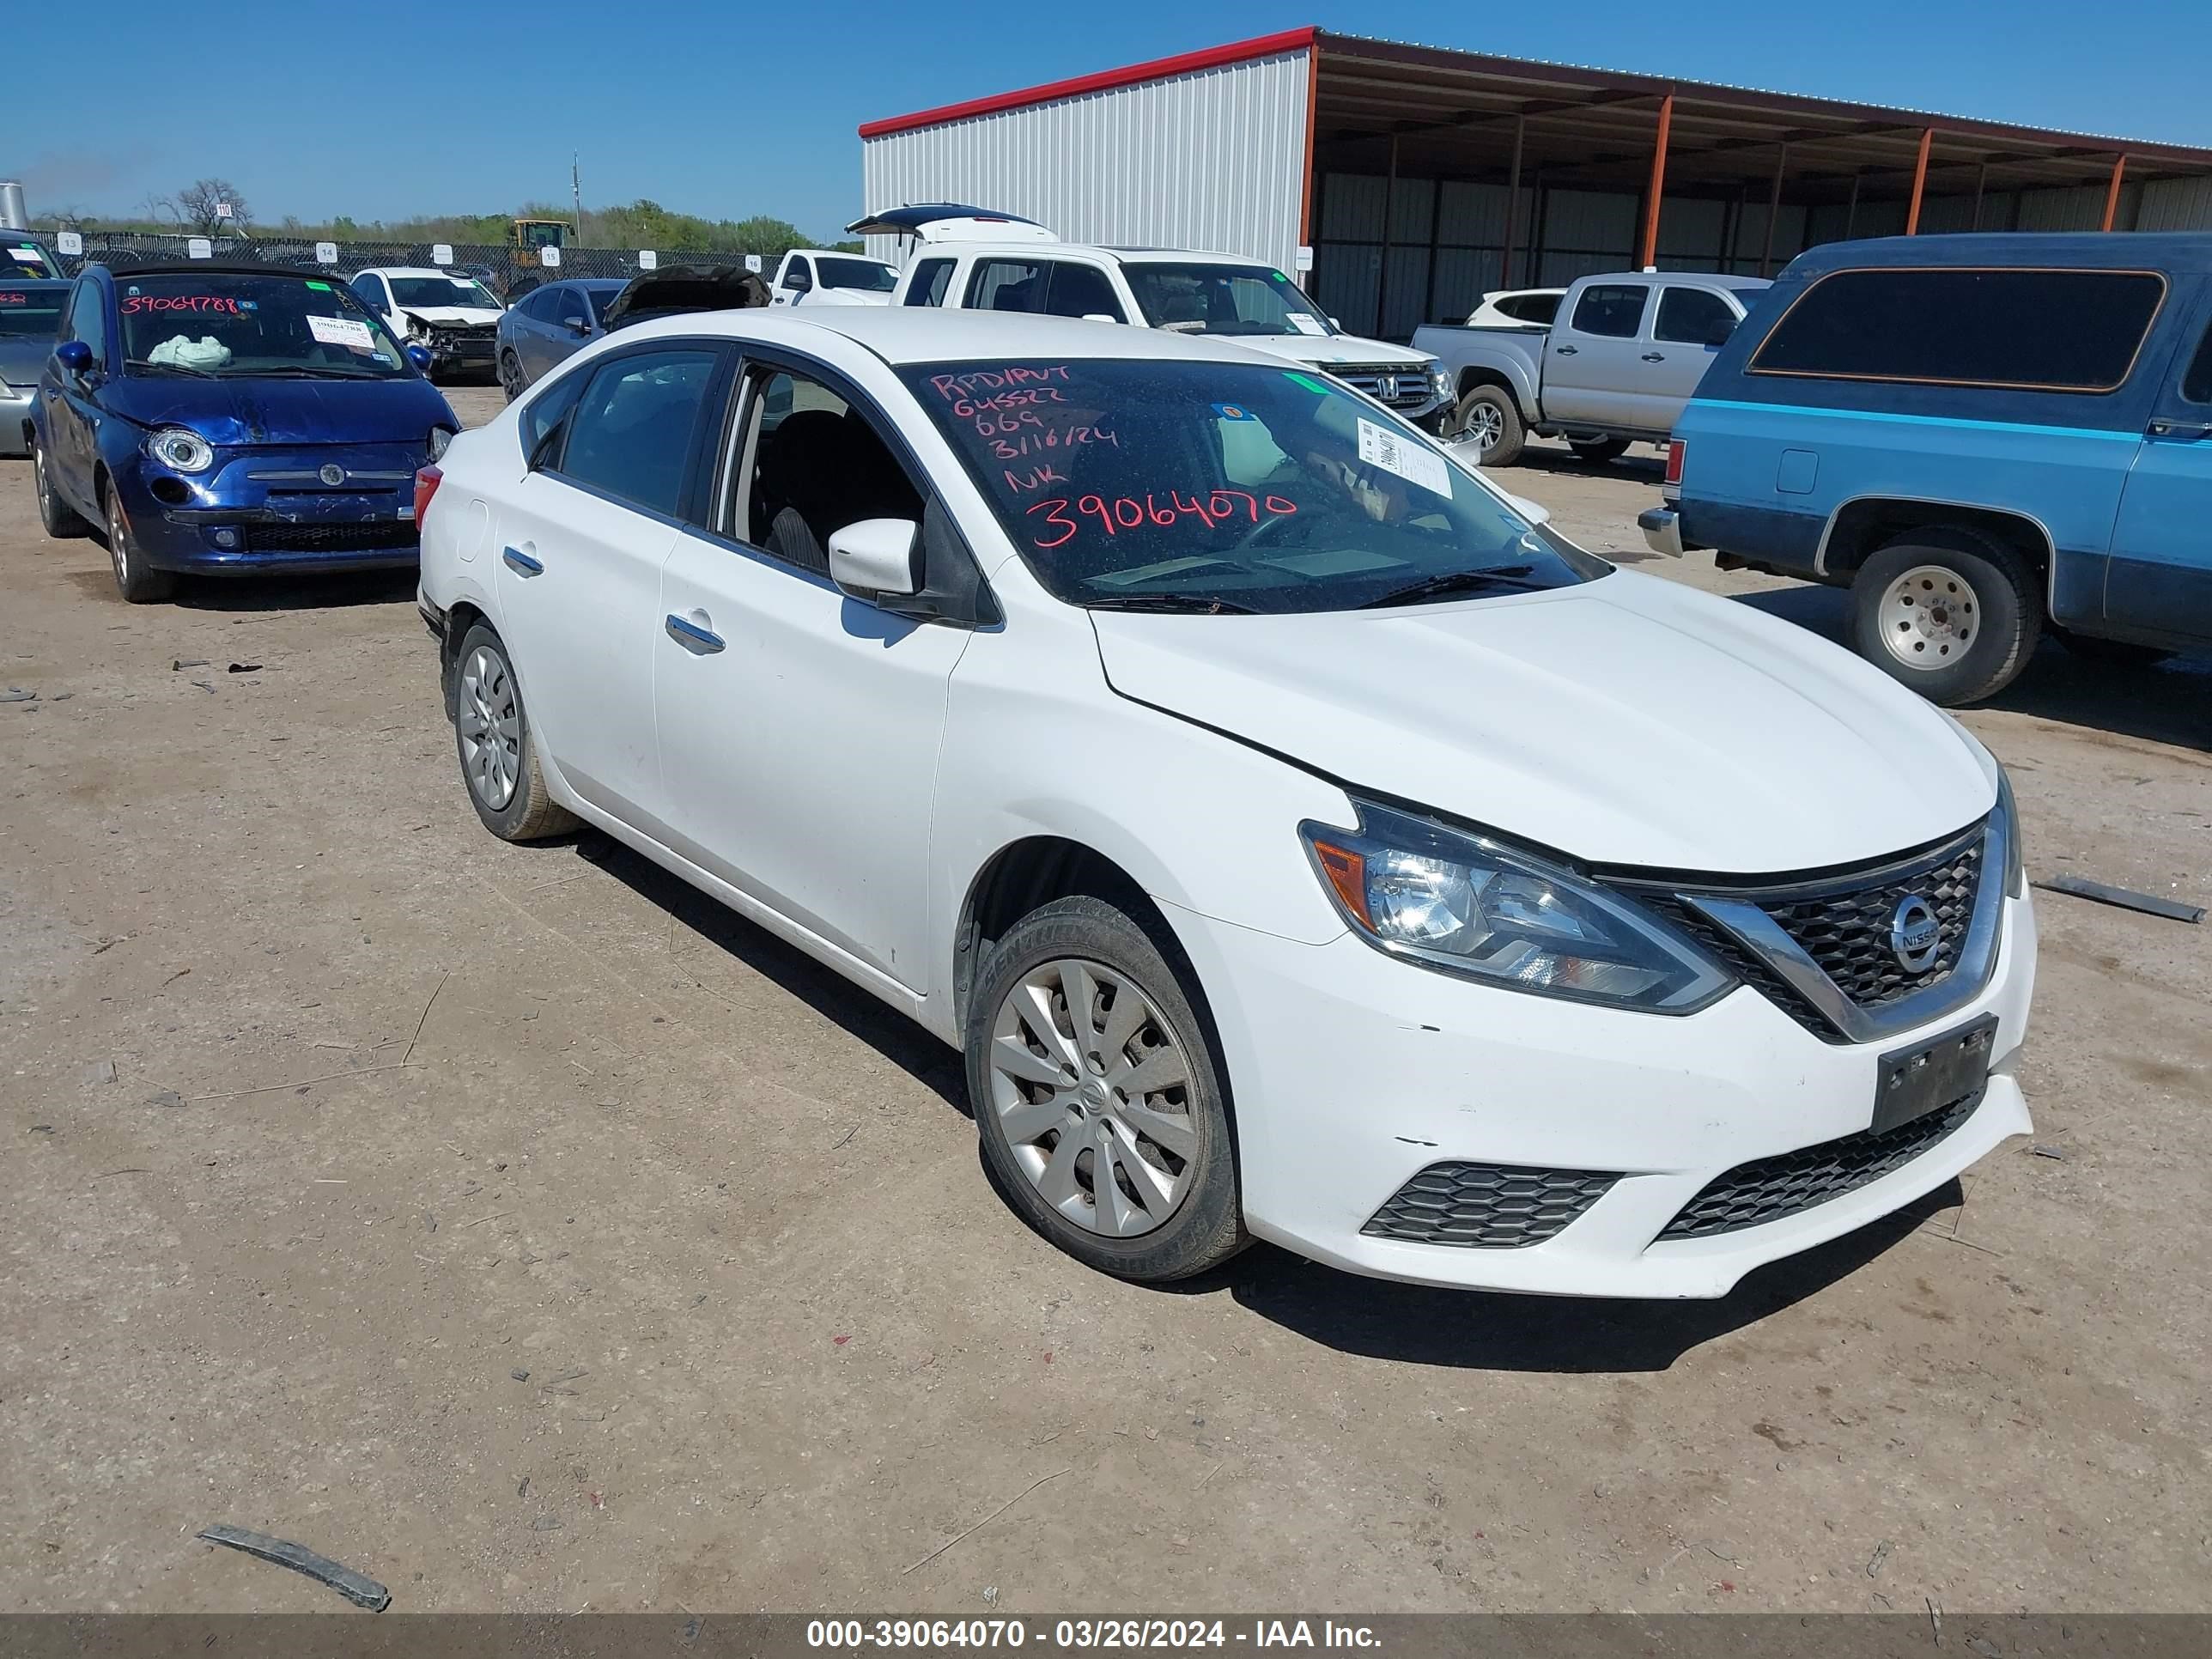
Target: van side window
x,y
2044,331
1614,310
930,278
2196,384
1687,316
1006,285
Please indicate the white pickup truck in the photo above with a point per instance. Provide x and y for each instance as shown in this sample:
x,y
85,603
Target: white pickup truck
x,y
822,277
1623,355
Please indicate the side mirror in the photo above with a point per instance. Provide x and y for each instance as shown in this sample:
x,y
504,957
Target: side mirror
x,y
800,282
75,357
1717,334
580,326
1100,317
419,356
875,557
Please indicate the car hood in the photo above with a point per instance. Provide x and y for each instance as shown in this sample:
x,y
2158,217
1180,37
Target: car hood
x,y
229,413
674,288
466,316
21,361
1335,350
1628,721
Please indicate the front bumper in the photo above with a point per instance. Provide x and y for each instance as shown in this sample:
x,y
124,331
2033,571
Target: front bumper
x,y
1352,1073
14,415
271,513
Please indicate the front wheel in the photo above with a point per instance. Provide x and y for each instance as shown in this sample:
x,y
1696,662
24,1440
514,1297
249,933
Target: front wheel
x,y
137,581
1597,451
1487,418
1098,1096
1950,612
499,761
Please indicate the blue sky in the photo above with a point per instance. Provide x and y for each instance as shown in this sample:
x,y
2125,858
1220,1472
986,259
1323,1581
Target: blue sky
x,y
732,109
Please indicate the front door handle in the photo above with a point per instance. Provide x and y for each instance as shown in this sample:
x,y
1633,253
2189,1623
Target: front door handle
x,y
692,637
1654,356
1564,352
520,561
2188,431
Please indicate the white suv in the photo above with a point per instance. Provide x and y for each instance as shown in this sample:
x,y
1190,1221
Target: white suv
x,y
966,265
1298,841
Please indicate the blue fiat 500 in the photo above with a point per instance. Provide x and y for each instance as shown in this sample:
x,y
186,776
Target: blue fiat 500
x,y
222,421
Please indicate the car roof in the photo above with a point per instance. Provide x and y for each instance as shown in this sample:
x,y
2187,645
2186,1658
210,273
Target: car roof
x,y
1717,278
2091,250
902,335
33,281
407,270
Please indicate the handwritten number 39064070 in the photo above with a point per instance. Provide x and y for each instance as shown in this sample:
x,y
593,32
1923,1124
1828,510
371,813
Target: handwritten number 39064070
x,y
1126,513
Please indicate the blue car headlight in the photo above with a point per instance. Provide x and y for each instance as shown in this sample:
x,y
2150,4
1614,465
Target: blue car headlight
x,y
1462,903
180,449
439,437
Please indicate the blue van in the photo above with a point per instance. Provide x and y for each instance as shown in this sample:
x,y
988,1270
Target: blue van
x,y
1983,437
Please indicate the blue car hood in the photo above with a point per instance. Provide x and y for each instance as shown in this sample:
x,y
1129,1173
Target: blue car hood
x,y
231,413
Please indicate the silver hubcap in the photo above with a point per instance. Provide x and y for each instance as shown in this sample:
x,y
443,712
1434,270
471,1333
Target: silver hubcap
x,y
1929,616
1482,425
1092,1088
490,728
119,541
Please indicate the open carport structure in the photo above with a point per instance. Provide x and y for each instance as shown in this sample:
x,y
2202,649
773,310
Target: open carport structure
x,y
1408,179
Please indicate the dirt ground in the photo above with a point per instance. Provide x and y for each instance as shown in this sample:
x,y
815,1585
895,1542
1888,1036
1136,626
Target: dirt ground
x,y
518,1227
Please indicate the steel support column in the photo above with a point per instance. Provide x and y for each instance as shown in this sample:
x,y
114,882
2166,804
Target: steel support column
x,y
1773,212
1389,211
1851,212
2113,190
1512,204
1658,184
1919,182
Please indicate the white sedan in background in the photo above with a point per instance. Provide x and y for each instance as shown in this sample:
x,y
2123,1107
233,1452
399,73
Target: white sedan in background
x,y
1298,841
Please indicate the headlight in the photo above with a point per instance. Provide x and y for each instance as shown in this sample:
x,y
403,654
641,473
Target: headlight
x,y
439,437
179,450
1464,904
2016,860
1440,383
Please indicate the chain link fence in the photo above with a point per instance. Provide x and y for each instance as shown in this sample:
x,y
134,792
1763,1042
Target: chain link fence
x,y
508,271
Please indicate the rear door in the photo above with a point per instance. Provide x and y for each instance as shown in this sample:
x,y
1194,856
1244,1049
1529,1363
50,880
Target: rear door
x,y
1592,357
2159,578
1675,357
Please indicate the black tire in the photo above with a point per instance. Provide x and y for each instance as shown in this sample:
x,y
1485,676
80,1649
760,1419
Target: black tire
x,y
510,376
1985,591
138,582
1206,1225
1598,451
523,810
1490,407
59,518
2111,653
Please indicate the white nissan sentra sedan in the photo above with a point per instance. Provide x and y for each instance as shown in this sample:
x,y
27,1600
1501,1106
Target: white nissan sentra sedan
x,y
1298,841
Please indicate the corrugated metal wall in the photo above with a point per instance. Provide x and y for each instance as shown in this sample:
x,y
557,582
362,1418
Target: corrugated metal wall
x,y
1213,160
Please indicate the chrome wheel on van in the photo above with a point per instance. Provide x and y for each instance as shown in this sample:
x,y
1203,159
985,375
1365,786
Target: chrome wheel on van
x,y
1092,1089
490,728
1927,617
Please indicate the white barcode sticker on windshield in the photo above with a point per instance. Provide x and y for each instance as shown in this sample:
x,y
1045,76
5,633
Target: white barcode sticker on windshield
x,y
348,332
1380,446
1305,323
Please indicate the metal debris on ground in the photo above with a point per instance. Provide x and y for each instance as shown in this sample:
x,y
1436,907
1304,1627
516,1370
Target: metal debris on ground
x,y
178,665
1880,1555
360,1590
2051,1152
2124,897
165,1098
100,1070
16,693
244,668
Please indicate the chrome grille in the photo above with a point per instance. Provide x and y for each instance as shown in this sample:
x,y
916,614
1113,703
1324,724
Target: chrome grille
x,y
1493,1206
1847,932
1402,386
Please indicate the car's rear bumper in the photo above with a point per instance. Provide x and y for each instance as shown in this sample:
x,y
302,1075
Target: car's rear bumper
x,y
1352,1073
1663,530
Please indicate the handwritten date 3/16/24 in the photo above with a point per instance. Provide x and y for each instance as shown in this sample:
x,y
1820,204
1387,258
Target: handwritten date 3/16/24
x,y
1126,513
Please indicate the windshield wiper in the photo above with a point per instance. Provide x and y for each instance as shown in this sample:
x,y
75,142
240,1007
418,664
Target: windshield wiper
x,y
311,371
167,369
1200,603
1511,577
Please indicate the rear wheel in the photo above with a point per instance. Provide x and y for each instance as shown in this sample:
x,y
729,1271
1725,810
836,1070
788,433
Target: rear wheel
x,y
1951,612
59,518
1598,450
137,581
1487,418
499,759
1098,1096
510,376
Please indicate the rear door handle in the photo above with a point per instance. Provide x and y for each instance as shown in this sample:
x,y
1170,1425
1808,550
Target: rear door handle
x,y
1654,356
692,637
1564,352
2189,431
520,561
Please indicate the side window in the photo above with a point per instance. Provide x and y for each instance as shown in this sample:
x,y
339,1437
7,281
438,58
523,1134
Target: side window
x,y
1531,308
930,278
1006,285
1689,315
89,320
1082,291
809,465
2196,384
1612,310
544,416
632,431
369,290
568,307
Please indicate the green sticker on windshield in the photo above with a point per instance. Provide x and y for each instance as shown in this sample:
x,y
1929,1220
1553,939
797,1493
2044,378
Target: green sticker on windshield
x,y
322,287
1305,381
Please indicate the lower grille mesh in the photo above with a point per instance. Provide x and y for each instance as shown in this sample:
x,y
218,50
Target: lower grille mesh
x,y
1487,1207
365,537
1771,1188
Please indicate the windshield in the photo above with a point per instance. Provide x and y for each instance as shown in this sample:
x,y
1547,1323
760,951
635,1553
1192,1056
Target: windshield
x,y
219,324
24,259
1205,298
432,292
869,276
1187,485
31,311
601,295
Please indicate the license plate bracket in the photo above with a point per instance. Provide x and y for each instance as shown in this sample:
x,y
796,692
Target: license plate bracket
x,y
1916,1081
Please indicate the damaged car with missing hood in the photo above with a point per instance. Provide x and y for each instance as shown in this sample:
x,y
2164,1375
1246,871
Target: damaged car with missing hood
x,y
449,314
239,420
